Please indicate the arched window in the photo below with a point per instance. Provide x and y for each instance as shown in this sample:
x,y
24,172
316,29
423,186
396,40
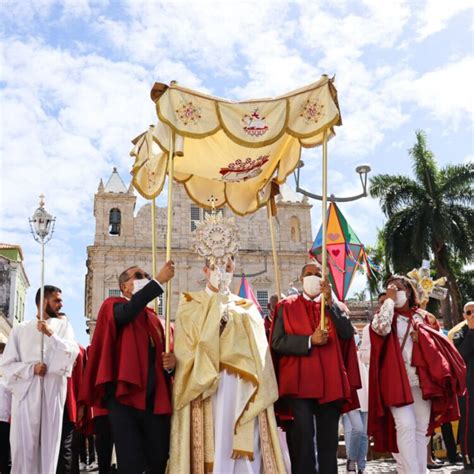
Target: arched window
x,y
115,219
295,231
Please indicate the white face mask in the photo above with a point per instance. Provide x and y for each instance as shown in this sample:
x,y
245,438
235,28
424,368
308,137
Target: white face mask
x,y
312,285
227,279
139,284
219,280
215,278
400,299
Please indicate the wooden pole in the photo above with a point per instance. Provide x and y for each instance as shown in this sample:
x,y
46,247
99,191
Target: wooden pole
x,y
274,250
325,223
153,246
168,239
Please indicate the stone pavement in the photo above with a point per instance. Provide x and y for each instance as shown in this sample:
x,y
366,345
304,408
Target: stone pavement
x,y
387,466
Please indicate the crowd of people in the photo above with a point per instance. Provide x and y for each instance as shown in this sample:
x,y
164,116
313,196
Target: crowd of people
x,y
236,392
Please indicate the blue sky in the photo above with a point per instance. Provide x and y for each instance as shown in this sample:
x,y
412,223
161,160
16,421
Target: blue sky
x,y
76,75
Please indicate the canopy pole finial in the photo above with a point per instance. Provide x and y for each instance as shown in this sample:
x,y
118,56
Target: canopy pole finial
x,y
213,201
324,223
169,230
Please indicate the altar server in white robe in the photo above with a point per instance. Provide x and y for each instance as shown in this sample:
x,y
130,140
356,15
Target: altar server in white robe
x,y
39,389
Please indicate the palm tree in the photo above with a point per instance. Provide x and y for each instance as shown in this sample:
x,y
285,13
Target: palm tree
x,y
430,215
377,254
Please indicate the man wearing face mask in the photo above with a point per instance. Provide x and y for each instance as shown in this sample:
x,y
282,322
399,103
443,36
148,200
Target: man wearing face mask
x,y
317,372
224,387
38,388
127,372
415,376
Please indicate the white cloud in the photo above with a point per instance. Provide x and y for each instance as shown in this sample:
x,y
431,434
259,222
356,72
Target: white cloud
x,y
344,36
23,14
209,34
444,91
367,110
436,14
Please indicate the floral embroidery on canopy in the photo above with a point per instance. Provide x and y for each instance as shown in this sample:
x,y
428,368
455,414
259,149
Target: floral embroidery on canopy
x,y
242,170
311,111
255,124
188,113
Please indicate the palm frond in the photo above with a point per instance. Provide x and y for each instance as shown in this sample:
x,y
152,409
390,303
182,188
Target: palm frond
x,y
456,183
399,232
424,164
461,231
395,192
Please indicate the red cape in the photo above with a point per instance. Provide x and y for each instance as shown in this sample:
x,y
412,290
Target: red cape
x,y
441,372
74,383
328,373
120,356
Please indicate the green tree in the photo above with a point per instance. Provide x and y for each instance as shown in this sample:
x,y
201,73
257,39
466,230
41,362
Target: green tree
x,y
429,216
359,295
376,253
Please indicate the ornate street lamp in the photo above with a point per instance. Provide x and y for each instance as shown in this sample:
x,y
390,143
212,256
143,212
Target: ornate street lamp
x,y
42,228
362,170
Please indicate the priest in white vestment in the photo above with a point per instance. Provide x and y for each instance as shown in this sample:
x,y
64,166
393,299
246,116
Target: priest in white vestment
x,y
39,389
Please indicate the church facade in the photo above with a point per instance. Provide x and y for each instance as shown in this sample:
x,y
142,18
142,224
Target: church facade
x,y
123,238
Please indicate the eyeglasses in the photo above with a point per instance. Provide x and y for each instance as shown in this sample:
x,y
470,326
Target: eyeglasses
x,y
139,276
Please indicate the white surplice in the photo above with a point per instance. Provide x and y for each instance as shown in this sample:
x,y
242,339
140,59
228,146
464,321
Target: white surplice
x,y
226,405
38,402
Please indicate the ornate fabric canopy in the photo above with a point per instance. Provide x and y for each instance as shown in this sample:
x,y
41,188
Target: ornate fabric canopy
x,y
229,152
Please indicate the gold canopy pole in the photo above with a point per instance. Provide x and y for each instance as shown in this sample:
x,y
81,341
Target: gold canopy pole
x,y
153,246
325,223
168,239
275,256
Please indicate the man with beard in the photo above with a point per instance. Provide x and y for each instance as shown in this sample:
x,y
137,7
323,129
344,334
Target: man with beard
x,y
39,388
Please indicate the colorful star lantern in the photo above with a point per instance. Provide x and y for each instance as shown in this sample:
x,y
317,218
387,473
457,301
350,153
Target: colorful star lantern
x,y
245,291
345,252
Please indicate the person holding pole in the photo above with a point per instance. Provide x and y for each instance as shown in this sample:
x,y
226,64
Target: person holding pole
x,y
128,372
38,358
317,372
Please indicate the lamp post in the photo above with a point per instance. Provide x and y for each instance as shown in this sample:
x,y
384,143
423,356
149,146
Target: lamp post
x,y
42,228
362,170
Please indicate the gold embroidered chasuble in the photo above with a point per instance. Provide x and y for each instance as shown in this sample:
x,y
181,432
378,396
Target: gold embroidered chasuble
x,y
202,353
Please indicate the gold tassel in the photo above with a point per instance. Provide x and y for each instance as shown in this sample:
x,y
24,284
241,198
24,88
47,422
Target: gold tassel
x,y
237,454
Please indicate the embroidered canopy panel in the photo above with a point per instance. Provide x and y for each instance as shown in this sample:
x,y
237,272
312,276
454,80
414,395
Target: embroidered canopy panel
x,y
229,152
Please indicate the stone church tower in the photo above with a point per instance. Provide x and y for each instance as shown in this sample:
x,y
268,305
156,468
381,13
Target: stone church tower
x,y
123,238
